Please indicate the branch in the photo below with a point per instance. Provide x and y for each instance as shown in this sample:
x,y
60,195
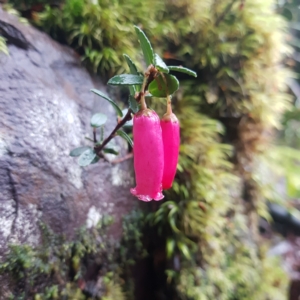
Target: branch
x,y
150,75
127,118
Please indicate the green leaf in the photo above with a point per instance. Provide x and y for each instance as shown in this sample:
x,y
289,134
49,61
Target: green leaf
x,y
98,120
162,88
184,250
95,160
170,247
132,67
110,151
133,70
86,158
132,90
182,70
77,151
111,148
126,79
146,46
160,64
172,217
133,105
115,106
125,136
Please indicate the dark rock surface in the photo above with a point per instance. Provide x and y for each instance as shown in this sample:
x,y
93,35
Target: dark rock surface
x,y
45,108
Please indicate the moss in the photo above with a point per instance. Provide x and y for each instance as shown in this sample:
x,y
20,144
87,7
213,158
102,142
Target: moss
x,y
227,116
91,266
101,31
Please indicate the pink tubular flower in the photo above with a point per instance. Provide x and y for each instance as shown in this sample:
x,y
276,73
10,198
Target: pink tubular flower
x,y
148,155
171,140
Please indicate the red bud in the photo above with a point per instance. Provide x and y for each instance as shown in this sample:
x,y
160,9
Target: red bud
x,y
171,140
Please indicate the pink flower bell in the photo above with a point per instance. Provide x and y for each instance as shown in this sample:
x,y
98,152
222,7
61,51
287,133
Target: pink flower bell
x,y
148,155
171,140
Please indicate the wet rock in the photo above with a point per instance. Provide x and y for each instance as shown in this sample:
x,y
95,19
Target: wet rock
x,y
45,108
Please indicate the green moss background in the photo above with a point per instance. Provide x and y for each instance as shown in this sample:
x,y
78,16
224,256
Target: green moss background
x,y
207,228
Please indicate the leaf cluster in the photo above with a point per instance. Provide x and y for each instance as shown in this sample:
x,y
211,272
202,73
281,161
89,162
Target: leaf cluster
x,y
155,82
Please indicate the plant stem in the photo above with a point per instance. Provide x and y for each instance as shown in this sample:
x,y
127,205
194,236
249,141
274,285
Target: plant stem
x,y
169,106
127,118
95,135
149,76
142,92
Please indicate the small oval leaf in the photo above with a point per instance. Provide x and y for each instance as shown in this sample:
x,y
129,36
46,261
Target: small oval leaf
x,y
98,120
182,70
86,158
160,64
115,106
161,87
95,160
146,46
125,136
78,151
126,79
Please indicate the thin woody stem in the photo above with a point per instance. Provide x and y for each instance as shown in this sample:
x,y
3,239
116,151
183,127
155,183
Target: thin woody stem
x,y
149,76
127,118
142,92
95,135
